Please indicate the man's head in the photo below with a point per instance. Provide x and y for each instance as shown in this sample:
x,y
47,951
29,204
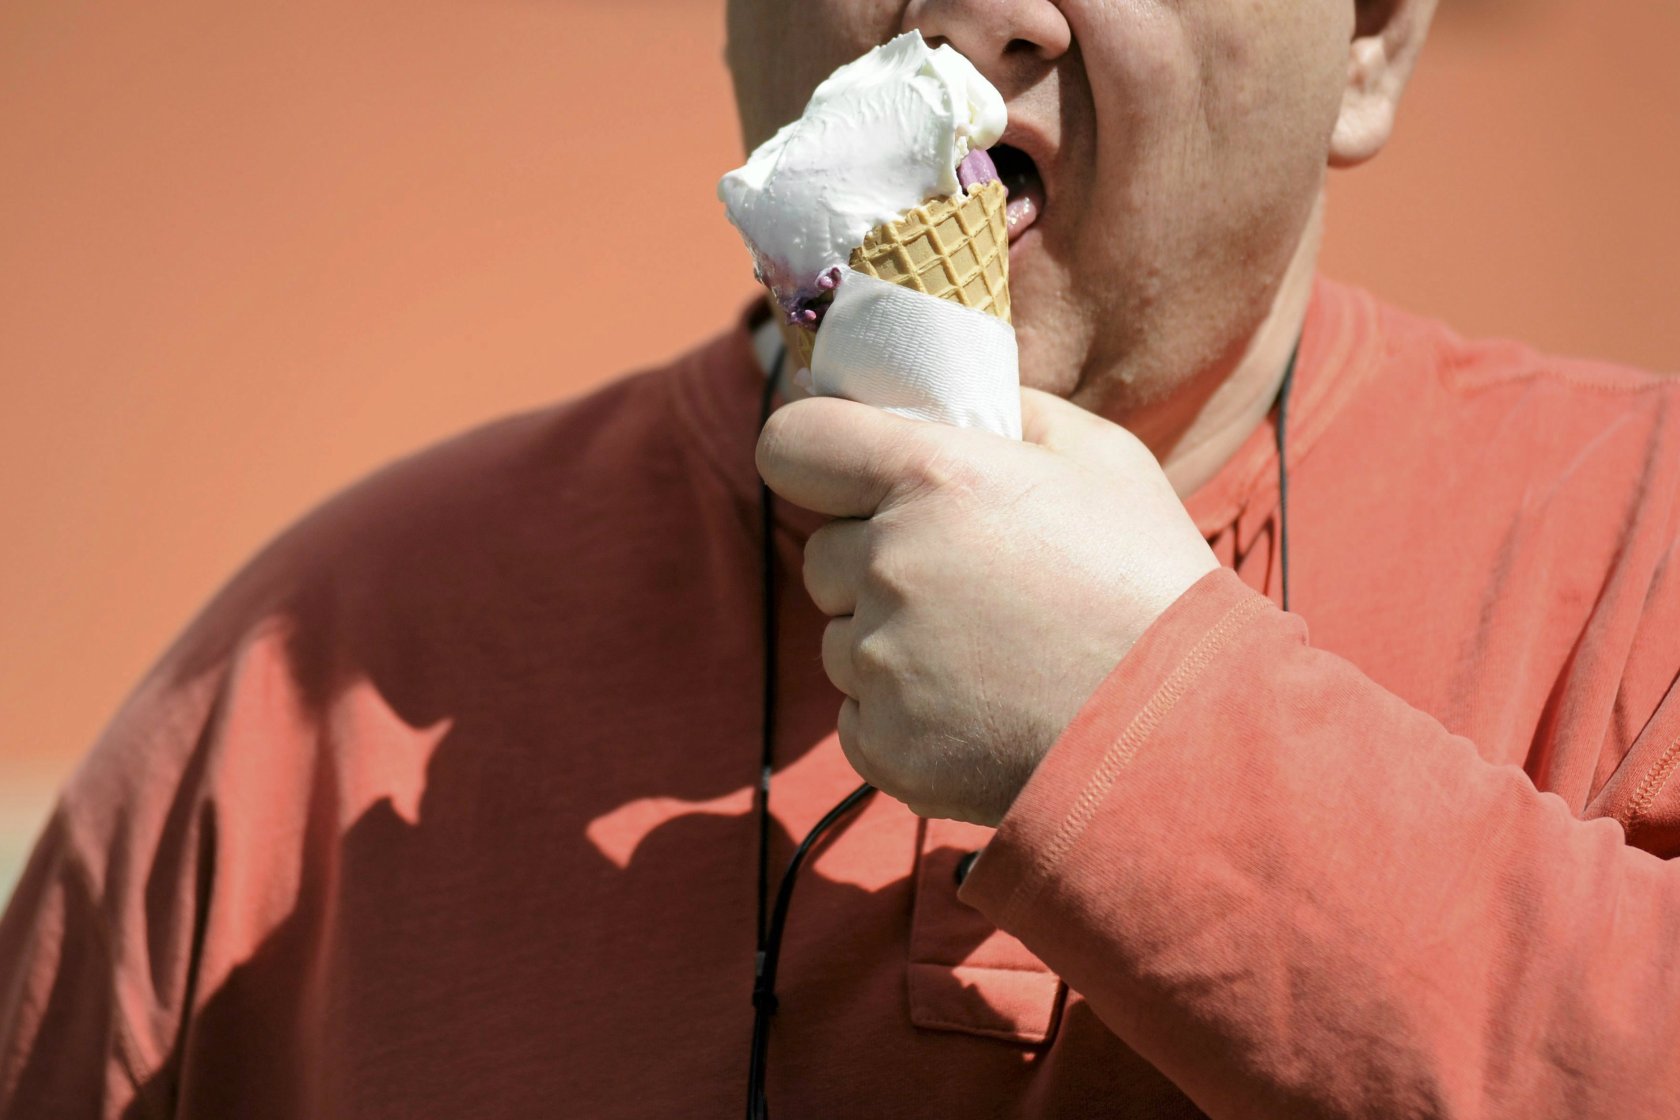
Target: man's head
x,y
1182,145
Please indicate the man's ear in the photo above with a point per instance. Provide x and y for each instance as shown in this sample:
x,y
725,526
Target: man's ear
x,y
1387,37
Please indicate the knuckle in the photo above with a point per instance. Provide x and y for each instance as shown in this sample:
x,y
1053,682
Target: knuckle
x,y
931,466
1131,450
872,658
888,575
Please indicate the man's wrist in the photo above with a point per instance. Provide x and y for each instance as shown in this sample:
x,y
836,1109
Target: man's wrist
x,y
1046,817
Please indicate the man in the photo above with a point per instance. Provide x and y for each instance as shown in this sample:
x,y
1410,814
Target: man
x,y
444,805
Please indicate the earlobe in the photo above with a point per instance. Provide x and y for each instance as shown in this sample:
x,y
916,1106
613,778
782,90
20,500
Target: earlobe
x,y
1384,49
1368,100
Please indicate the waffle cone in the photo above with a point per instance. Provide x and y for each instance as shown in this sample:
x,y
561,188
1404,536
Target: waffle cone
x,y
955,247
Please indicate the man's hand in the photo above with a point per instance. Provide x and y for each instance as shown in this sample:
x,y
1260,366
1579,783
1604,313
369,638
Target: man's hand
x,y
980,589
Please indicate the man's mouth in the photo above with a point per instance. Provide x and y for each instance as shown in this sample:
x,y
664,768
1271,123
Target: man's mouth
x,y
1026,188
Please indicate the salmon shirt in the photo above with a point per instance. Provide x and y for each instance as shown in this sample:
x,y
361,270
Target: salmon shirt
x,y
442,806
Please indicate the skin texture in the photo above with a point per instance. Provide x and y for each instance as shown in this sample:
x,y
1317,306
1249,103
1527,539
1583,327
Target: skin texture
x,y
1184,148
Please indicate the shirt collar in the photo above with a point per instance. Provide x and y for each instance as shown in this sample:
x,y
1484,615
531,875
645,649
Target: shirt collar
x,y
1338,339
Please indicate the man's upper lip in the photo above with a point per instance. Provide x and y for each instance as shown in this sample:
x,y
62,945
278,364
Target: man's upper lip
x,y
1035,142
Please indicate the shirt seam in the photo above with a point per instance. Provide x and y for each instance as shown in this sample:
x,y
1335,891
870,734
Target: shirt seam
x,y
1547,369
1650,788
1355,366
1002,1033
138,1071
682,394
1350,362
917,884
1121,752
946,966
693,435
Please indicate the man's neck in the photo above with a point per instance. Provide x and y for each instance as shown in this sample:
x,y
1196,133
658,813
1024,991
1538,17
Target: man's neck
x,y
1193,433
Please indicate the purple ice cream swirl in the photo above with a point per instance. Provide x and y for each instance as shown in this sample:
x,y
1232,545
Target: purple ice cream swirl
x,y
976,169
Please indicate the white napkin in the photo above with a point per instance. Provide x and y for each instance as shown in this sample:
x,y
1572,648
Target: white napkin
x,y
917,356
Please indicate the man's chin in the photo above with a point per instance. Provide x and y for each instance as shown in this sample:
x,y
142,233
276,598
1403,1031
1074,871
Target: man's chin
x,y
1051,356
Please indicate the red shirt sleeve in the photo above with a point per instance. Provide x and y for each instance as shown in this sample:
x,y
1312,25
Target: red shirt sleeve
x,y
1298,896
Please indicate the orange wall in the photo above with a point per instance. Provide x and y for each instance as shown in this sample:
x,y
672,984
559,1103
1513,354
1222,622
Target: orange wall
x,y
251,252
1532,186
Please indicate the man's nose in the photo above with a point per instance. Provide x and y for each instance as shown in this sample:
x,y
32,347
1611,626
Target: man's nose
x,y
998,36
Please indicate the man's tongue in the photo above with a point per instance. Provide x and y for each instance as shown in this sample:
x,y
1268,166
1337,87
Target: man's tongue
x,y
1023,210
1020,175
1026,188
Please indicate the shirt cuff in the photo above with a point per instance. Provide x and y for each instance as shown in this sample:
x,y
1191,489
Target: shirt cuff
x,y
1056,804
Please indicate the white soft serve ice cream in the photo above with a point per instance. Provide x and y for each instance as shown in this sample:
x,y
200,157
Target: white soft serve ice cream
x,y
880,135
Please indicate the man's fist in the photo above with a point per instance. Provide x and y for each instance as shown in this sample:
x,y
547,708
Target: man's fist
x,y
980,589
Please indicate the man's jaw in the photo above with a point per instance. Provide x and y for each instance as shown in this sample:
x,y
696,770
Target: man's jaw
x,y
1244,395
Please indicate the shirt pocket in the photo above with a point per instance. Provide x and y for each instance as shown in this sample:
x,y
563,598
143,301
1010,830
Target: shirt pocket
x,y
965,974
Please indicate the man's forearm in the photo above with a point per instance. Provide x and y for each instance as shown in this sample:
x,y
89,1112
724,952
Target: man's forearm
x,y
1298,896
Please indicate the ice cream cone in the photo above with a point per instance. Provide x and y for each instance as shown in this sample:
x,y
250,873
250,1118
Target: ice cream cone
x,y
955,248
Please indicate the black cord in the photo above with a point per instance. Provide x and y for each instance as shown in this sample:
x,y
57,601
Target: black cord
x,y
764,972
1282,431
769,934
767,584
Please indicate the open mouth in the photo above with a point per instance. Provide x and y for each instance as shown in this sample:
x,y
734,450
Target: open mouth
x,y
1026,188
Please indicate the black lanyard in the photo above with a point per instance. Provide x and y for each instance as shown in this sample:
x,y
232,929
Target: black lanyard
x,y
769,927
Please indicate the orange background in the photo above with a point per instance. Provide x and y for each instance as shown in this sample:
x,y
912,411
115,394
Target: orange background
x,y
251,252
